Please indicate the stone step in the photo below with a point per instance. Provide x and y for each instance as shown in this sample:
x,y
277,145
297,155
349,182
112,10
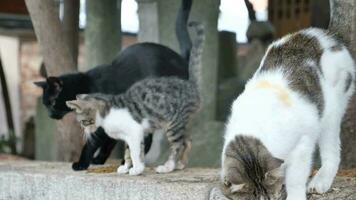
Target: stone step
x,y
53,180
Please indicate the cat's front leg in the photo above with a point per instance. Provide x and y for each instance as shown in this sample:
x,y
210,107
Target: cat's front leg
x,y
135,145
92,144
105,151
123,169
298,167
85,157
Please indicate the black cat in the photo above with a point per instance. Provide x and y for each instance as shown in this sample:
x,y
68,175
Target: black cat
x,y
135,63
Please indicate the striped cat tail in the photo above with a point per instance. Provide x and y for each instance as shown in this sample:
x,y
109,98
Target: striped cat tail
x,y
195,61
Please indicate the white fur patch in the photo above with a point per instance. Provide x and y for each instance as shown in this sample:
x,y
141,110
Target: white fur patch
x,y
292,132
324,40
119,124
169,166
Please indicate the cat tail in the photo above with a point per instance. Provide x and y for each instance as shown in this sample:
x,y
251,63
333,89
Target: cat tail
x,y
182,33
195,62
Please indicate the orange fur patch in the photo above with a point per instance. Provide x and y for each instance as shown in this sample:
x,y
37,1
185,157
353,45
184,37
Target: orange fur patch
x,y
281,92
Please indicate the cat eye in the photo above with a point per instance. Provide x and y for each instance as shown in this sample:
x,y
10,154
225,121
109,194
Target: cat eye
x,y
87,122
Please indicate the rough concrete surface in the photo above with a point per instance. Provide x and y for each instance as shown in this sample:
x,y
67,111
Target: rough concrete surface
x,y
343,189
49,180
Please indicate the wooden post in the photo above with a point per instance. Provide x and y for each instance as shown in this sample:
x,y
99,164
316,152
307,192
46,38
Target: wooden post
x,y
56,54
58,60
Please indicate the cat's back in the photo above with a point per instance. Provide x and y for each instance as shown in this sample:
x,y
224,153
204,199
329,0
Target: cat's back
x,y
135,63
314,63
167,87
163,98
305,48
308,54
144,59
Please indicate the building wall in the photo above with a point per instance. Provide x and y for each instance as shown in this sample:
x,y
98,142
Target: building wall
x,y
289,15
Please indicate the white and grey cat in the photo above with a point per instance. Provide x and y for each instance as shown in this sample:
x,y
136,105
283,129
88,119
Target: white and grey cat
x,y
165,103
295,101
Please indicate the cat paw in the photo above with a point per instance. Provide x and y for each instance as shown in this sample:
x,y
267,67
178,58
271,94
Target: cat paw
x,y
76,166
123,169
136,170
166,168
319,184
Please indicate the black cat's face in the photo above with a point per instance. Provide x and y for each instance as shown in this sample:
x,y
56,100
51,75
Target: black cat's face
x,y
52,97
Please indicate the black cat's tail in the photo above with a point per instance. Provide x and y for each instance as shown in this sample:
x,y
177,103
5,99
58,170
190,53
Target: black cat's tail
x,y
195,61
182,33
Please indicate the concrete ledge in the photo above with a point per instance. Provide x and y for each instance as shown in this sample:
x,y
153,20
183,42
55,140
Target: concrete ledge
x,y
43,181
52,181
344,188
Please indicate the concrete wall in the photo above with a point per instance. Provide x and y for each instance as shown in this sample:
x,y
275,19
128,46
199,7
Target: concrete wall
x,y
9,52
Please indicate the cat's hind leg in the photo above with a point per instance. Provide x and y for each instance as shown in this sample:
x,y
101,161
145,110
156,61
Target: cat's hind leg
x,y
176,138
329,148
187,147
329,139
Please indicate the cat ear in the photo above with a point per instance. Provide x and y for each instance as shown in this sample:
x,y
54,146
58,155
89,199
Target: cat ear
x,y
274,163
41,84
55,83
75,105
277,171
235,188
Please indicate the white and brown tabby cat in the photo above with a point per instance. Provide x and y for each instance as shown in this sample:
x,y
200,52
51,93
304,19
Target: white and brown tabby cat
x,y
295,101
150,105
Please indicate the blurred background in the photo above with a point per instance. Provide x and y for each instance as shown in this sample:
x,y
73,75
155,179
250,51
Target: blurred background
x,y
237,34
